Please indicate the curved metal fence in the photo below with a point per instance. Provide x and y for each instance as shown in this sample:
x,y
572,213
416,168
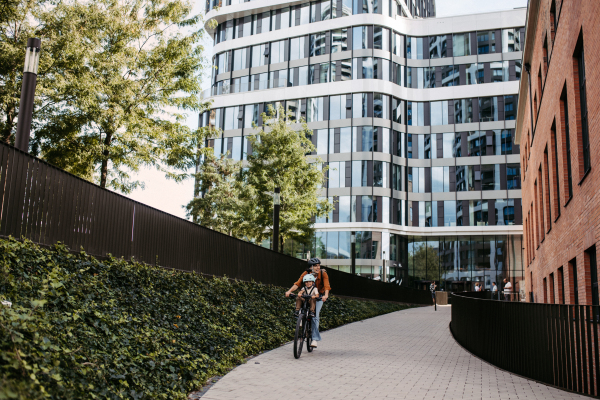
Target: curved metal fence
x,y
552,343
45,204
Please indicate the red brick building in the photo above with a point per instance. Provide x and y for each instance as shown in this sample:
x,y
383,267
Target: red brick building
x,y
560,151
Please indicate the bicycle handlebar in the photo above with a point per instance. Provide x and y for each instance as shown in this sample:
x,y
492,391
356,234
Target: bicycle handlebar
x,y
305,296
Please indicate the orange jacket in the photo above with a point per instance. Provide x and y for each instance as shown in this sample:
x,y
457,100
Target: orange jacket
x,y
322,281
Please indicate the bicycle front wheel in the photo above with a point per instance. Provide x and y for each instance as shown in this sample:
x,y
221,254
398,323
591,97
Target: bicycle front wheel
x,y
308,334
299,336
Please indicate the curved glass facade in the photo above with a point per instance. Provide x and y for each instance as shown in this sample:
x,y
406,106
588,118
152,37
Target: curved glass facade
x,y
417,131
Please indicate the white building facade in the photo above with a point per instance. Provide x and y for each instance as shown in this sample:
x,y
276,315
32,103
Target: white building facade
x,y
414,116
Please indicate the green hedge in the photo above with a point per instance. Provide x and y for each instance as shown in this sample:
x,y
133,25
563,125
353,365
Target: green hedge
x,y
84,328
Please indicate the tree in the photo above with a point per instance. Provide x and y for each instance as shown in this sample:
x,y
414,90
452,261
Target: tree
x,y
221,187
16,25
278,159
114,79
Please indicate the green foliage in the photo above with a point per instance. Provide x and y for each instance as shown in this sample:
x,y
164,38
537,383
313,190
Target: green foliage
x,y
114,81
222,200
278,159
83,328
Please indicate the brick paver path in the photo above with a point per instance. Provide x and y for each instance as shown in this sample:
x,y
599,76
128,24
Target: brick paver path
x,y
409,354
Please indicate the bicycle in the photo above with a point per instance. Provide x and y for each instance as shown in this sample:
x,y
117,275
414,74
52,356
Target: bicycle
x,y
303,326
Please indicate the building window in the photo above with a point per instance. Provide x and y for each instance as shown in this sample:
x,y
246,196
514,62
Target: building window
x,y
398,44
297,48
582,110
565,117
381,38
461,44
590,255
414,47
555,179
511,40
339,40
450,75
513,176
437,46
359,38
574,286
317,45
488,109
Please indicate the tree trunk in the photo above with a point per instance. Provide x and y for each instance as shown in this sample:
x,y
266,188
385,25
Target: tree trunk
x,y
104,166
10,120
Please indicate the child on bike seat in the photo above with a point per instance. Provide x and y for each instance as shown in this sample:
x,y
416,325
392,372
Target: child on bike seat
x,y
308,289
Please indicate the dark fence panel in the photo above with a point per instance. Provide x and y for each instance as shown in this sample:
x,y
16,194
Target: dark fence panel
x,y
552,343
45,204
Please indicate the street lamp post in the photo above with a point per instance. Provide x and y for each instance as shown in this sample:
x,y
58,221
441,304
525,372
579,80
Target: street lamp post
x,y
32,59
276,206
353,251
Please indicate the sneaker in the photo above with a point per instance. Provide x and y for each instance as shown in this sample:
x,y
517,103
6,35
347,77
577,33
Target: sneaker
x,y
296,313
313,344
311,314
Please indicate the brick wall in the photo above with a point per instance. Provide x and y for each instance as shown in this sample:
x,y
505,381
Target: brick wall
x,y
559,227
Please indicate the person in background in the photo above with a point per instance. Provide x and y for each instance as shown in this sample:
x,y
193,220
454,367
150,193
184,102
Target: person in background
x,y
494,290
432,290
477,288
507,289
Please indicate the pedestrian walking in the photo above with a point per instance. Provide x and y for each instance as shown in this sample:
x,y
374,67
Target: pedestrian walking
x,y
507,289
494,290
432,290
477,288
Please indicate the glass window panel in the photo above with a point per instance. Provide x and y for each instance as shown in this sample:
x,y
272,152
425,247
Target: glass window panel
x,y
377,173
356,173
322,141
231,117
511,40
278,51
461,44
359,105
488,109
450,213
345,140
437,179
332,244
500,206
367,209
471,74
236,148
450,75
250,115
359,37
218,144
258,55
339,40
513,176
398,44
344,211
317,44
297,48
335,107
367,138
314,109
490,177
463,111
437,46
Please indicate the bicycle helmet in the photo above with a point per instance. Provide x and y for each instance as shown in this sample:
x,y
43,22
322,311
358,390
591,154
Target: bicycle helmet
x,y
309,278
314,261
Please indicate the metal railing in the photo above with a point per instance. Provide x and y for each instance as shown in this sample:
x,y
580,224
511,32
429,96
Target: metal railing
x,y
552,343
45,204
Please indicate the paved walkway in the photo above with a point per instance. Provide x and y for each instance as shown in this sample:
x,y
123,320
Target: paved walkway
x,y
409,354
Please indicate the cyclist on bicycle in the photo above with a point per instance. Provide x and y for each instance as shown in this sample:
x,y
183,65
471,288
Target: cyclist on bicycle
x,y
309,289
322,284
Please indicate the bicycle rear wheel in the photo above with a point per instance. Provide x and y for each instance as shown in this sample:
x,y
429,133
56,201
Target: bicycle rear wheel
x,y
299,336
308,334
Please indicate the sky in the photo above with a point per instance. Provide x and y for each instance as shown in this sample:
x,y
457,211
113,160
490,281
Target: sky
x,y
171,197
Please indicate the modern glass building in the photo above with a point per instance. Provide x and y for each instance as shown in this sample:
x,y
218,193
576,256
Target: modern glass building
x,y
415,117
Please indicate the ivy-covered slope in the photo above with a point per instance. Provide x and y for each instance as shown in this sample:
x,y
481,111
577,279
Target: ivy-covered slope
x,y
84,328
